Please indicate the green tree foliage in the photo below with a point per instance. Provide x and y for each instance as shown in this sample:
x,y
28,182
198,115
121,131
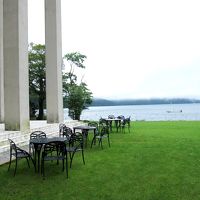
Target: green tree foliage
x,y
75,59
78,100
77,97
37,79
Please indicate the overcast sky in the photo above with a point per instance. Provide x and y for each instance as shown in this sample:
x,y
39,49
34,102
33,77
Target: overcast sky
x,y
134,48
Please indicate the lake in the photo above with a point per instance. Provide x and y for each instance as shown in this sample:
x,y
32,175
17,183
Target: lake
x,y
161,112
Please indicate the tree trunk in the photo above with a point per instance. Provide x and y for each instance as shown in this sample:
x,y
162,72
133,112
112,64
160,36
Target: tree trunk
x,y
77,116
41,108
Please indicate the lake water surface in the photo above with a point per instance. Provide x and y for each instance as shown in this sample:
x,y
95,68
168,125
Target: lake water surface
x,y
161,112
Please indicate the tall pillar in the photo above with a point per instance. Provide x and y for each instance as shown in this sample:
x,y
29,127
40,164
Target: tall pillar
x,y
16,84
53,44
1,65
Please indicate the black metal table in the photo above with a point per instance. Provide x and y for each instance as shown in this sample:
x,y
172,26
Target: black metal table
x,y
110,120
38,144
85,129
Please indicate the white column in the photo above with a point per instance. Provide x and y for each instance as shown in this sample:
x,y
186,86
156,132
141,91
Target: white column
x,y
15,34
1,65
53,44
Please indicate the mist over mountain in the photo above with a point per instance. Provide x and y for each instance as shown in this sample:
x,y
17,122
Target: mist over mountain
x,y
153,101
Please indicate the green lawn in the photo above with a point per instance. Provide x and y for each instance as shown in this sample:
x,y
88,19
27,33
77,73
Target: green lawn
x,y
156,161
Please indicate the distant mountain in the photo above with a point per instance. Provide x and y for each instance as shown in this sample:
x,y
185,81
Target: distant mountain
x,y
105,102
102,102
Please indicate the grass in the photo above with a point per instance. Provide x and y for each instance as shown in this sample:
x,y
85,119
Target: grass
x,y
155,161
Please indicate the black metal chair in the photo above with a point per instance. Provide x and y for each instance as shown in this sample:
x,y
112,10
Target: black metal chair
x,y
103,122
54,150
36,134
111,117
66,132
92,124
18,153
110,123
121,117
100,135
61,128
126,122
85,136
75,145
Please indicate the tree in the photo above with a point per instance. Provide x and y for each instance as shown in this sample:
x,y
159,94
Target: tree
x,y
77,97
37,79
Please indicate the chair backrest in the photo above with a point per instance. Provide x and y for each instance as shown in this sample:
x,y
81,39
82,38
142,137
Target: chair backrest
x,y
57,146
111,117
121,117
104,130
102,120
76,140
93,124
127,120
67,132
13,146
38,134
14,149
61,127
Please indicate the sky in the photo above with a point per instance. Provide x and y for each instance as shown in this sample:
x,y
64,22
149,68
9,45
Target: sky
x,y
134,48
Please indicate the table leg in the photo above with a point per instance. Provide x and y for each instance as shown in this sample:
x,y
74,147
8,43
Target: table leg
x,y
37,157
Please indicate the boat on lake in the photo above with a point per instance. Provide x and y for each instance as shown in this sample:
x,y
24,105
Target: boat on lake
x,y
174,111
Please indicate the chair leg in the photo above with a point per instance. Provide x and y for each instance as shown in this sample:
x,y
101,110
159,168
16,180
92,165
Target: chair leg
x,y
42,169
71,159
94,138
83,157
30,158
10,162
100,142
15,166
35,159
27,162
67,165
86,139
70,155
57,155
109,141
63,161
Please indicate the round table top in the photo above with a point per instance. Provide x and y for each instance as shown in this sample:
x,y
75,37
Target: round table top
x,y
46,140
84,127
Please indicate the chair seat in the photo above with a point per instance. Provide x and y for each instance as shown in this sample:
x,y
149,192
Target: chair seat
x,y
18,153
75,145
103,136
72,149
54,150
54,158
103,133
21,155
